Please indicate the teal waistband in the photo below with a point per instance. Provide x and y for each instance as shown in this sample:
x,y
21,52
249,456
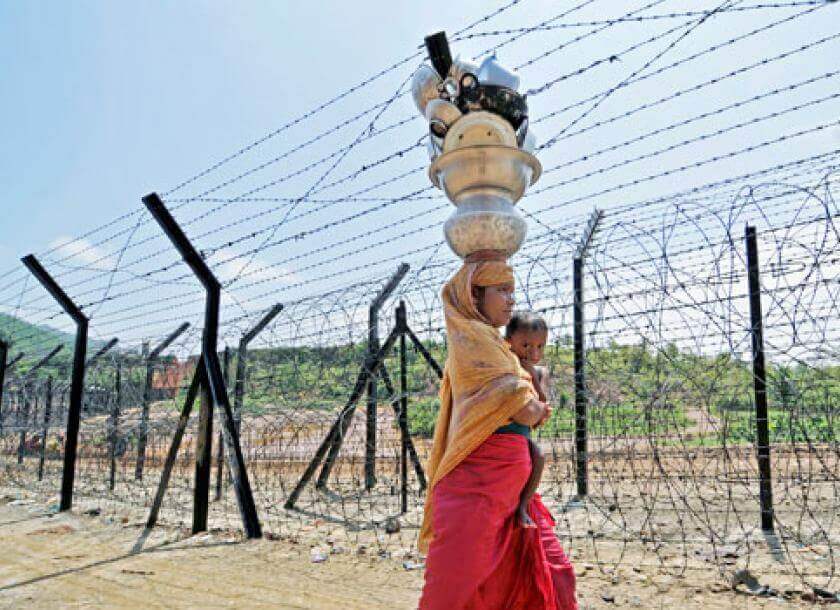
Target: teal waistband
x,y
515,428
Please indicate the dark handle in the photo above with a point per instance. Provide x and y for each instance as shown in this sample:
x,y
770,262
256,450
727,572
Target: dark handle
x,y
438,48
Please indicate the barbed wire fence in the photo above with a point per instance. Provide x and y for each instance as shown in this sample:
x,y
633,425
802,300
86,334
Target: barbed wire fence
x,y
656,450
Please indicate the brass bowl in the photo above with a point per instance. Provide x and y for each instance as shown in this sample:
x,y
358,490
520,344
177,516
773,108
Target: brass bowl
x,y
493,171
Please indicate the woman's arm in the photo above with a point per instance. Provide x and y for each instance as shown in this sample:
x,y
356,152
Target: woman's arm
x,y
531,414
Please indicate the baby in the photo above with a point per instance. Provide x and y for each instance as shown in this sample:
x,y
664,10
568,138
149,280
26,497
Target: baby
x,y
527,333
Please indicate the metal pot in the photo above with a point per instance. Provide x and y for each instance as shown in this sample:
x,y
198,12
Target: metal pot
x,y
498,100
484,183
461,67
491,72
441,115
494,171
529,144
424,87
479,129
485,223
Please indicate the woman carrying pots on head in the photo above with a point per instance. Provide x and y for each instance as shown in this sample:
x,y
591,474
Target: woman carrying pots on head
x,y
479,557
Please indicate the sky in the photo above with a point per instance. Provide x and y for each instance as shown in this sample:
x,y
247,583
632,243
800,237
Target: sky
x,y
107,101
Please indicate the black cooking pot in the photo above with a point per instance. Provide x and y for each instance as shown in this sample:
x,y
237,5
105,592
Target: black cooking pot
x,y
493,98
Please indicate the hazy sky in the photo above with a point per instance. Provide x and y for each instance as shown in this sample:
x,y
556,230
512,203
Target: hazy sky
x,y
105,101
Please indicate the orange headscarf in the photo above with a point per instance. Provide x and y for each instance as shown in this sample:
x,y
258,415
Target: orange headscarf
x,y
483,383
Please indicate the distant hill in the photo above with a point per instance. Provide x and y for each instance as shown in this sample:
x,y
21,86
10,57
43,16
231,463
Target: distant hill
x,y
36,341
29,338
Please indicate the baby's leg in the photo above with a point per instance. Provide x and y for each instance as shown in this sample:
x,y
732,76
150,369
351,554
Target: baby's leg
x,y
537,464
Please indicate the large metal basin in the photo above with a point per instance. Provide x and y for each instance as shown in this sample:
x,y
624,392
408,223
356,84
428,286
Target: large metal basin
x,y
493,171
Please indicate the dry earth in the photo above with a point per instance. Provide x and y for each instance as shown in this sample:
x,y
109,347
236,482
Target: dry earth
x,y
70,560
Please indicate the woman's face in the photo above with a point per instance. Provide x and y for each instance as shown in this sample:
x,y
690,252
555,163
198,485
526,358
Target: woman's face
x,y
495,303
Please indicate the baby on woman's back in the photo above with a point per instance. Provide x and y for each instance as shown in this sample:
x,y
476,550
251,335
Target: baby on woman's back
x,y
527,334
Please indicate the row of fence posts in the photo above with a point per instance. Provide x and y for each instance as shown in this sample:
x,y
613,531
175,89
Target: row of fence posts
x,y
212,388
208,378
762,431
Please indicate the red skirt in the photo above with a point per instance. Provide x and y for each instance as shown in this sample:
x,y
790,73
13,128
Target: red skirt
x,y
480,557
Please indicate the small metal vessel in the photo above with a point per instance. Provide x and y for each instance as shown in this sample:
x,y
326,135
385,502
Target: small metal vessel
x,y
424,87
441,115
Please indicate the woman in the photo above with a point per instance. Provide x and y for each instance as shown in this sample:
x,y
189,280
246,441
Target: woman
x,y
478,556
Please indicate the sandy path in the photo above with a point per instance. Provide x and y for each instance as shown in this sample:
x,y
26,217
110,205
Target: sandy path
x,y
76,561
70,560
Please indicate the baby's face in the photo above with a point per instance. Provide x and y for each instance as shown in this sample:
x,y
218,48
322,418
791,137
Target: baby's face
x,y
529,345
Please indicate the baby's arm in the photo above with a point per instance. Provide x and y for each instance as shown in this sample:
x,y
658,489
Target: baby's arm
x,y
539,375
544,385
545,381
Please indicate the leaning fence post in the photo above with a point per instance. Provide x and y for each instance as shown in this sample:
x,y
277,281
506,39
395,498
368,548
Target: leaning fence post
x,y
370,436
759,382
71,440
402,323
339,427
45,430
373,348
142,436
214,389
242,360
239,388
29,375
102,351
220,450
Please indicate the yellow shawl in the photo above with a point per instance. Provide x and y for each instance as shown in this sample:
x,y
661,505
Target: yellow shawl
x,y
483,383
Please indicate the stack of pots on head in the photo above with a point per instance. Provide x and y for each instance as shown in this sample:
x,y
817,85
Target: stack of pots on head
x,y
480,147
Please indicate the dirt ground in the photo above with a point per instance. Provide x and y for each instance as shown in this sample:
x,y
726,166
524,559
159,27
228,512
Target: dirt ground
x,y
76,560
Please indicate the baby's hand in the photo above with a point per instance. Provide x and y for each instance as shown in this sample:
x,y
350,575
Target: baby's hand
x,y
546,415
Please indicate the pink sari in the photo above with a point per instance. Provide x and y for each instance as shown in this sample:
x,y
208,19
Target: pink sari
x,y
480,557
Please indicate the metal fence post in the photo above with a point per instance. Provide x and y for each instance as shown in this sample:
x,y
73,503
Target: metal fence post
x,y
370,416
71,440
759,382
581,438
239,387
151,358
4,352
242,360
402,323
26,391
214,390
113,424
581,399
102,351
220,450
373,349
7,366
45,430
